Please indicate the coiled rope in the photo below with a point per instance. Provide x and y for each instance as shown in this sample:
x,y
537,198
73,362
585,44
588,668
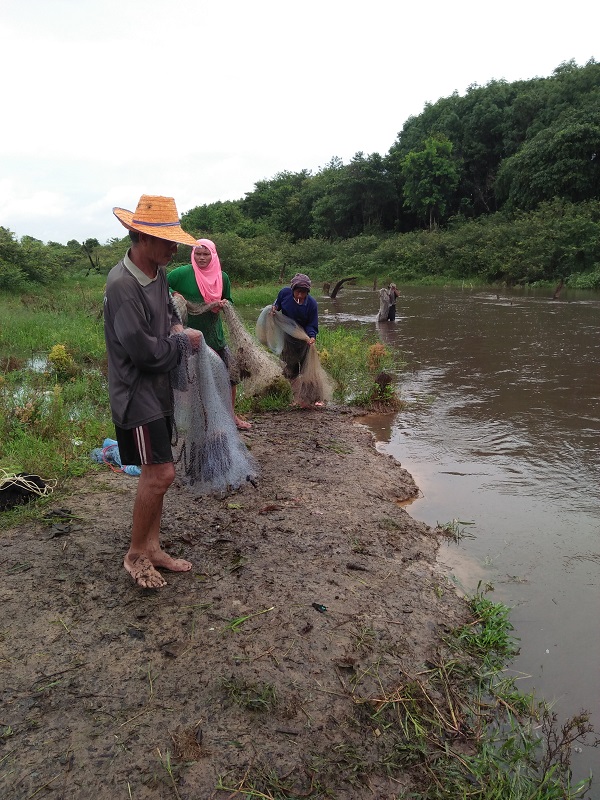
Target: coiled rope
x,y
23,481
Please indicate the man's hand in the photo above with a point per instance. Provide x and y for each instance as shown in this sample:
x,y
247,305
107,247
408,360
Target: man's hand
x,y
194,337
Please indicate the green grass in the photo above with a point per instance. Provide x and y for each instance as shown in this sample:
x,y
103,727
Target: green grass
x,y
249,695
278,397
68,314
488,636
53,415
54,405
255,296
345,354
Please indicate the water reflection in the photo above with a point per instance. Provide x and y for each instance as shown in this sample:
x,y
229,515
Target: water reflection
x,y
380,425
501,427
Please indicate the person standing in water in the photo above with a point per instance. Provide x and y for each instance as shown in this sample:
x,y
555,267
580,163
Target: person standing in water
x,y
394,295
387,303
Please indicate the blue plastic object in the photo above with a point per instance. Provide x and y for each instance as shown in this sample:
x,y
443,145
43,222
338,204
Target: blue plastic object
x,y
109,454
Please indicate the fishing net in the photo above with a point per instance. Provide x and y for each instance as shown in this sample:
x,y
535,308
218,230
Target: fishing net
x,y
184,307
310,383
384,304
19,488
180,306
209,453
251,363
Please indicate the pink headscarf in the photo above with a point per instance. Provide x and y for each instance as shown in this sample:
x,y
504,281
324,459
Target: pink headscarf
x,y
209,279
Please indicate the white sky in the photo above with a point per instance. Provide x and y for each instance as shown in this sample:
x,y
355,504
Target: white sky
x,y
105,100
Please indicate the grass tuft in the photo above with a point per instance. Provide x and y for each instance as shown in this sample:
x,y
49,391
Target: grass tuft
x,y
249,695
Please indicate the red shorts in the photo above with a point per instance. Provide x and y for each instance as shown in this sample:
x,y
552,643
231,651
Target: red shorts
x,y
146,444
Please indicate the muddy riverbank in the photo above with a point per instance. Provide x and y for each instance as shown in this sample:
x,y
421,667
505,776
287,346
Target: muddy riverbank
x,y
314,595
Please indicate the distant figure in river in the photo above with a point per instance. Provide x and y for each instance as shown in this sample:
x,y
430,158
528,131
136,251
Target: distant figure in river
x,y
387,303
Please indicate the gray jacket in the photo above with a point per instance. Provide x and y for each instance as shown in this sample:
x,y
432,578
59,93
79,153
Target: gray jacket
x,y
138,315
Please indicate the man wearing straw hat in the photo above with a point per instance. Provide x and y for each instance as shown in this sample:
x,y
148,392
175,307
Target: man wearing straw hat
x,y
139,323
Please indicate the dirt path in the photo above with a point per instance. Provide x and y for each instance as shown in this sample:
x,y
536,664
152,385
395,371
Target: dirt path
x,y
229,670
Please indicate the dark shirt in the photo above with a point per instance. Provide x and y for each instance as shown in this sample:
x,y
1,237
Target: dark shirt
x,y
306,314
138,316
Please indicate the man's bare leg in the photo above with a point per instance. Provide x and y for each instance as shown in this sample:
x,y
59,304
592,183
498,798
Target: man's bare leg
x,y
145,553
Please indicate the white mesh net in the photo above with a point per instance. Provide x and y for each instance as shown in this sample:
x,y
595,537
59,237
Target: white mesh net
x,y
384,304
250,362
310,383
209,452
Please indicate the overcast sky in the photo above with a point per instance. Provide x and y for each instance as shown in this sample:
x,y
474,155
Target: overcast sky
x,y
105,100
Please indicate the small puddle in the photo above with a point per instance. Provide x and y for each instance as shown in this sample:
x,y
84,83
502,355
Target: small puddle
x,y
38,363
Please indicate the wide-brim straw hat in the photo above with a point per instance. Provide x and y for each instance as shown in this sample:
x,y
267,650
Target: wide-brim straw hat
x,y
156,216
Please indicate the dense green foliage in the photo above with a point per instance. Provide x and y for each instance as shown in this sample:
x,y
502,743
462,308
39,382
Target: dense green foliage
x,y
559,240
501,184
430,178
537,121
512,145
29,261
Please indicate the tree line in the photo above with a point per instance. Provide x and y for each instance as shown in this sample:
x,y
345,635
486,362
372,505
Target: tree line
x,y
508,146
499,184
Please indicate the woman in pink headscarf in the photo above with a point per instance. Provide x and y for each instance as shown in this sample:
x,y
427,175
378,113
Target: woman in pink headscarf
x,y
203,282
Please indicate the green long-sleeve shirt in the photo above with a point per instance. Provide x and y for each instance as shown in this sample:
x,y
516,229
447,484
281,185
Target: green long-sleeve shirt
x,y
183,280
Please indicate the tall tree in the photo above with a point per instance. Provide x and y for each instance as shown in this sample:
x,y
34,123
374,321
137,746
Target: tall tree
x,y
88,248
354,199
220,217
282,202
431,176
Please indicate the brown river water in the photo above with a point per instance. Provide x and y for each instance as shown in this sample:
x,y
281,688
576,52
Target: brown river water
x,y
501,430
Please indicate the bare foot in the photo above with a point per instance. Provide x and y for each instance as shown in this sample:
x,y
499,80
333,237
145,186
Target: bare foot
x,y
242,424
143,573
299,404
165,561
